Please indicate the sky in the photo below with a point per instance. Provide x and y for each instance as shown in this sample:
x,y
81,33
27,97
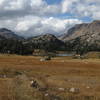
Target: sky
x,y
35,17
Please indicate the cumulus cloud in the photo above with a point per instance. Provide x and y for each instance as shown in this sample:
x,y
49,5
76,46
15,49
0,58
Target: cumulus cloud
x,y
26,7
41,8
67,5
32,17
41,25
82,8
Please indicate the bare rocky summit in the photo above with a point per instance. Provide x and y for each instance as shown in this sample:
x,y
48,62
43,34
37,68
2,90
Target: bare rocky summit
x,y
90,31
47,42
83,37
44,38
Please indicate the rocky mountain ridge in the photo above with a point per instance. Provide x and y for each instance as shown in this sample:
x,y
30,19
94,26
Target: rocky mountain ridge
x,y
81,38
8,34
85,29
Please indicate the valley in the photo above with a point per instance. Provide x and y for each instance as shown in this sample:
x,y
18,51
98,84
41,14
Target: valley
x,y
47,67
60,78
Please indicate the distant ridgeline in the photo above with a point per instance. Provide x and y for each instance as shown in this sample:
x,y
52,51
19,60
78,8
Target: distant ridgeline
x,y
14,44
81,39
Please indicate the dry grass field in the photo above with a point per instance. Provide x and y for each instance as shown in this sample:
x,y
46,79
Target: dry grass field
x,y
59,79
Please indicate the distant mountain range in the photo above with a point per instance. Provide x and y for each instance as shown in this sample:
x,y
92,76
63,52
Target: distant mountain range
x,y
8,34
90,31
81,38
84,36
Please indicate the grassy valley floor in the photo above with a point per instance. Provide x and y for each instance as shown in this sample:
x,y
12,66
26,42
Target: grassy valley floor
x,y
61,78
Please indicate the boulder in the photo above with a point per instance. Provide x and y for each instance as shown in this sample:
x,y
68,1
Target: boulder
x,y
45,58
74,90
34,84
61,89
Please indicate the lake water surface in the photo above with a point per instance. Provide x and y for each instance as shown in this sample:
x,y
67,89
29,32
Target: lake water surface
x,y
64,54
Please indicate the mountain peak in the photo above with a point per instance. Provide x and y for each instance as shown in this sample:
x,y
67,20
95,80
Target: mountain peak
x,y
85,29
47,37
96,21
4,29
84,37
8,34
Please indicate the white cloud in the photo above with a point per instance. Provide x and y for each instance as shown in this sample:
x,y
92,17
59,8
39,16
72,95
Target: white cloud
x,y
79,8
31,17
37,2
27,22
27,7
67,5
82,8
39,25
33,25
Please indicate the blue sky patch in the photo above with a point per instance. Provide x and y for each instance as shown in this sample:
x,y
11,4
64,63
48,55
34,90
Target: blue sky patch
x,y
53,1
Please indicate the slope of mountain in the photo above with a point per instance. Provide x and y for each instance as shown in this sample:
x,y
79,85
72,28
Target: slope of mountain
x,y
8,34
12,43
81,38
2,38
74,32
89,30
84,37
47,41
44,38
